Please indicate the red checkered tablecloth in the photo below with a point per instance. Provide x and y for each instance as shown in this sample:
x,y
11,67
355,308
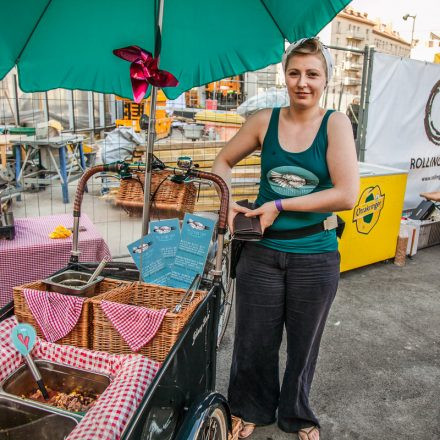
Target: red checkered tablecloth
x,y
131,375
32,255
137,325
56,314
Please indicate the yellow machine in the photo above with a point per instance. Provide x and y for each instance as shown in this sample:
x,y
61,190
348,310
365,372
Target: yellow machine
x,y
225,86
372,226
133,112
227,91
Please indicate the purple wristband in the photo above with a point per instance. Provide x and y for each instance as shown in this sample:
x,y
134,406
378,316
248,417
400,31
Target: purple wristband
x,y
279,205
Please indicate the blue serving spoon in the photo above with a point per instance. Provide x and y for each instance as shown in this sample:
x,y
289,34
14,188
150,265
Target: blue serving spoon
x,y
23,337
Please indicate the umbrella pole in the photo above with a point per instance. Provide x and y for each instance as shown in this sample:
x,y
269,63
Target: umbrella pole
x,y
151,129
148,161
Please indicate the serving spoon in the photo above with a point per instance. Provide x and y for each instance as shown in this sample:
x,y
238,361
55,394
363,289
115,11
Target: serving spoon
x,y
23,337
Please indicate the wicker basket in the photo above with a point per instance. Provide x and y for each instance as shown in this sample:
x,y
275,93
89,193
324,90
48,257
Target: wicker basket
x,y
80,335
106,338
169,199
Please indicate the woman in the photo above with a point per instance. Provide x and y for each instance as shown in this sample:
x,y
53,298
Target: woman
x,y
308,171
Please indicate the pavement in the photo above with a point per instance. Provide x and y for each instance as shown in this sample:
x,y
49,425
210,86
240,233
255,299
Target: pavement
x,y
378,373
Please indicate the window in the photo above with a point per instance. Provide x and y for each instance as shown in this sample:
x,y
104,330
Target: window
x,y
349,27
338,24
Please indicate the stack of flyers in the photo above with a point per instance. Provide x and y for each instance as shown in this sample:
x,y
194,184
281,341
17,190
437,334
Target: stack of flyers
x,y
192,251
167,235
148,259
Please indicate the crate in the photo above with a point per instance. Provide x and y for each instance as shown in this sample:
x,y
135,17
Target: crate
x,y
80,334
429,234
106,338
168,199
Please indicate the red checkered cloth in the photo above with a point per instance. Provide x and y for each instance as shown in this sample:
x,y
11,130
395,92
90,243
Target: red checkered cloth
x,y
131,376
55,313
137,325
32,255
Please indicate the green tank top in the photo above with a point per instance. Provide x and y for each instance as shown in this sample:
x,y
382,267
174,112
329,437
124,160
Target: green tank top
x,y
285,175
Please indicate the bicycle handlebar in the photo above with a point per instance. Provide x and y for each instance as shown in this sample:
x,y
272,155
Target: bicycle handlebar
x,y
118,167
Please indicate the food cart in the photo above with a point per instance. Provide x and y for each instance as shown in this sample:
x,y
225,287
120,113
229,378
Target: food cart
x,y
180,402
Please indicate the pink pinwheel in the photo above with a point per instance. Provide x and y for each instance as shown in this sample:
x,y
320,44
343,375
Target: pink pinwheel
x,y
144,71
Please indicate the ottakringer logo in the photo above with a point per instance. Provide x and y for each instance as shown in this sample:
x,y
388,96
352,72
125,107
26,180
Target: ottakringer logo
x,y
432,115
367,212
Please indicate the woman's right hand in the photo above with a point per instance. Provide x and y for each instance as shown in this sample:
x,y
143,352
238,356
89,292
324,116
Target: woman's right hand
x,y
234,209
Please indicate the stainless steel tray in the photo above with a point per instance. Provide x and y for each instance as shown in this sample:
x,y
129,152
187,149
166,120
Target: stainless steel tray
x,y
21,420
55,376
71,282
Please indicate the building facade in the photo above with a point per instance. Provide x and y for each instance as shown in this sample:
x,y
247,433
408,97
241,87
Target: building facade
x,y
428,47
351,29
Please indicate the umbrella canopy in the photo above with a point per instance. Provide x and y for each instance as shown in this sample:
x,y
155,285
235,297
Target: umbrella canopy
x,y
69,44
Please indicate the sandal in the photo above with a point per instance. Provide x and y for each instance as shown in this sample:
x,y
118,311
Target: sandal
x,y
307,433
248,427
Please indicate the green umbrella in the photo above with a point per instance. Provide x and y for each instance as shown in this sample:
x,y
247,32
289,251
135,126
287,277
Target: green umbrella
x,y
68,44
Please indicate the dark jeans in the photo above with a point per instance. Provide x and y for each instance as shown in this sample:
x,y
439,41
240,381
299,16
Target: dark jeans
x,y
277,289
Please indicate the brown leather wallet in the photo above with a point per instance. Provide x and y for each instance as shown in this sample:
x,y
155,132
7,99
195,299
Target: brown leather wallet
x,y
246,228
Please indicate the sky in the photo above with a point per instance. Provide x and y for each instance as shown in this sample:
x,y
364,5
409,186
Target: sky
x,y
391,11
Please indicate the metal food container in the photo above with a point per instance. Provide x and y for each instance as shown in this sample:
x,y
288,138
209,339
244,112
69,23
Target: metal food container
x,y
71,282
21,420
56,377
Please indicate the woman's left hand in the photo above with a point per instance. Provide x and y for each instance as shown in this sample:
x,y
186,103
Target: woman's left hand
x,y
267,213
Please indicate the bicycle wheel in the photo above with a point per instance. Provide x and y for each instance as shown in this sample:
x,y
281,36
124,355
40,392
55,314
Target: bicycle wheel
x,y
215,425
227,292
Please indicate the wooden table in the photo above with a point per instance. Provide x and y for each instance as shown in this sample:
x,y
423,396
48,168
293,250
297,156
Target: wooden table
x,y
67,163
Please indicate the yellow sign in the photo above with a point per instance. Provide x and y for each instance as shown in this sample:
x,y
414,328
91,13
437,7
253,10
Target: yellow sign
x,y
366,213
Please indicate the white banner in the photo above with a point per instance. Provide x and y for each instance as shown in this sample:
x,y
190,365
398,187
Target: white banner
x,y
403,129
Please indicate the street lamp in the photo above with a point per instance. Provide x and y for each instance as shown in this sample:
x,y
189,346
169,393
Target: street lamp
x,y
405,17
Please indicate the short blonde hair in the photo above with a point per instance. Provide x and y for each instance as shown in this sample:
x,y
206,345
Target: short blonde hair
x,y
311,46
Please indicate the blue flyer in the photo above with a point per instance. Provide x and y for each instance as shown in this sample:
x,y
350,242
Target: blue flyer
x,y
147,257
167,235
192,250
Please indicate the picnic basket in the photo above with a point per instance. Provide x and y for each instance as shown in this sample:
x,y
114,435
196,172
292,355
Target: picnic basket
x,y
80,334
105,336
168,198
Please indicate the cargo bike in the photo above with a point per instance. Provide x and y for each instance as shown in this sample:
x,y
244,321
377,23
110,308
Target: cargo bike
x,y
181,402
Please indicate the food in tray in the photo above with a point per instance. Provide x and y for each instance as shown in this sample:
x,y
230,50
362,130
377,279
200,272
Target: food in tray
x,y
75,401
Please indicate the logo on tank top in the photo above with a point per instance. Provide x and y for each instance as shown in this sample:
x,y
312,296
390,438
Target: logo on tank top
x,y
367,212
292,181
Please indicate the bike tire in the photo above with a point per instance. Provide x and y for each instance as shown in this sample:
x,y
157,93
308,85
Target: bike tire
x,y
227,293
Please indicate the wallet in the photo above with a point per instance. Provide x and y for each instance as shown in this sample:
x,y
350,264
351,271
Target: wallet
x,y
246,228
